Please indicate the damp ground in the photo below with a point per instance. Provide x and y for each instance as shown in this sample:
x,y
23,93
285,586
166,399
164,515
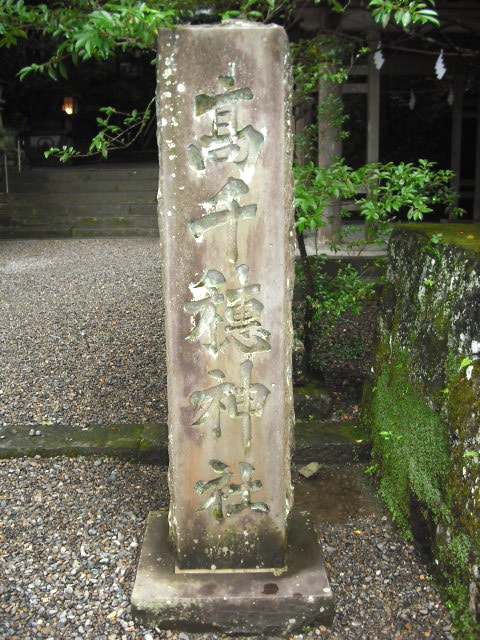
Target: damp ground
x,y
81,330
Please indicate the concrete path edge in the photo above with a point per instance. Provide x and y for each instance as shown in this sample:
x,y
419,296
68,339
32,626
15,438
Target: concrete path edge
x,y
328,442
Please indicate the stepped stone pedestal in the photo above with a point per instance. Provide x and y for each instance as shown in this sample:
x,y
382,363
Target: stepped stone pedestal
x,y
236,602
233,557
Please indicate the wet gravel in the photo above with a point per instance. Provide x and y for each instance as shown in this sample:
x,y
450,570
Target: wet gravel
x,y
81,332
70,531
81,342
381,585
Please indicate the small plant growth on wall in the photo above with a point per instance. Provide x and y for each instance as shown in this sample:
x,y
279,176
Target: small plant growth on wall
x,y
412,444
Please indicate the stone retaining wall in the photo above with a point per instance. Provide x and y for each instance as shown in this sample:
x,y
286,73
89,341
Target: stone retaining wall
x,y
423,403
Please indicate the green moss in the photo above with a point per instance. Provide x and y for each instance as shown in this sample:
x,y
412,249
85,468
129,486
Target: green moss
x,y
350,432
464,396
88,222
416,463
463,410
466,236
152,435
310,389
442,318
454,557
410,444
120,222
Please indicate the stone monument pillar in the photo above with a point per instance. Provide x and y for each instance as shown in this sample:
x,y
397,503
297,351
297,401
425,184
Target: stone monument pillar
x,y
226,228
226,217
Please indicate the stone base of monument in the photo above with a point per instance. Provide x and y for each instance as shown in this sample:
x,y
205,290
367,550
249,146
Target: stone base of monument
x,y
238,602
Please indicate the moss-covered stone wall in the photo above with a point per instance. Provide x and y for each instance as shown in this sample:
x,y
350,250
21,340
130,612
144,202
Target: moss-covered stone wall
x,y
423,403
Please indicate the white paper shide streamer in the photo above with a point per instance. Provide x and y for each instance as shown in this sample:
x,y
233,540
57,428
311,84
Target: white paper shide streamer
x,y
413,100
440,68
378,57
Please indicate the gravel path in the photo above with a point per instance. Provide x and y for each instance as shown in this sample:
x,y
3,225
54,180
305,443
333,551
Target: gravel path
x,y
81,332
81,342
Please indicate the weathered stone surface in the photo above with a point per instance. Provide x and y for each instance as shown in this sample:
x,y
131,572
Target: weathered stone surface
x,y
299,368
241,603
144,442
226,227
311,470
423,403
331,442
312,402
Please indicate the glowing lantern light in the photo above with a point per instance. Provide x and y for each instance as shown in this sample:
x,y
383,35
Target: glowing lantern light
x,y
69,106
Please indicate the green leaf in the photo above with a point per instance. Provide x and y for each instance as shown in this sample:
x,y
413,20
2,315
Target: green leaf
x,y
228,15
384,20
63,70
429,15
466,362
52,73
436,238
406,19
471,454
10,38
23,73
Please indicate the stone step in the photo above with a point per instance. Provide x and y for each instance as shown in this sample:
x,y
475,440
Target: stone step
x,y
44,232
83,197
63,218
330,442
311,401
95,177
87,228
68,186
82,202
141,215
